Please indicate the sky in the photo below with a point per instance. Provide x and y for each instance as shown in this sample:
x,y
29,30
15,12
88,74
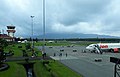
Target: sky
x,y
62,16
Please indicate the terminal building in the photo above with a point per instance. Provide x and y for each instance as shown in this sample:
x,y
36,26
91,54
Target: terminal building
x,y
10,36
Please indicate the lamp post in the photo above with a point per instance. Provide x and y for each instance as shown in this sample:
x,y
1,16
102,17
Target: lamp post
x,y
32,29
43,49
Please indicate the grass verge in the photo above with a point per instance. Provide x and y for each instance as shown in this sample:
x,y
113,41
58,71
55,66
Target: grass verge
x,y
53,69
15,70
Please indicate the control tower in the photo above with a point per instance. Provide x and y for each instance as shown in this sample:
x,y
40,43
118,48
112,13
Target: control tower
x,y
11,30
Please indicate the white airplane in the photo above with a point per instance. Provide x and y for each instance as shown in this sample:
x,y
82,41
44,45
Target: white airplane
x,y
107,47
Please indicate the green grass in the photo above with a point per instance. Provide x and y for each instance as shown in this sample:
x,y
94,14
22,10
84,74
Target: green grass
x,y
65,43
85,43
57,70
18,51
40,70
15,70
53,44
57,44
62,71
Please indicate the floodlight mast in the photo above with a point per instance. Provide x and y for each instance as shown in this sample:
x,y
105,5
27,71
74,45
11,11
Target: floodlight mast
x,y
44,24
32,29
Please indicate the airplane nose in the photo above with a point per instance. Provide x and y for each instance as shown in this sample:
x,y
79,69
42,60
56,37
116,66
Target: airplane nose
x,y
87,47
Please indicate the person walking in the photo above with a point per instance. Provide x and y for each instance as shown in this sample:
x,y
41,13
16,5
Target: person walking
x,y
66,54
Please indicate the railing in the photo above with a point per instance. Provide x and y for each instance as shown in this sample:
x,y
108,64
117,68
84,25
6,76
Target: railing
x,y
117,66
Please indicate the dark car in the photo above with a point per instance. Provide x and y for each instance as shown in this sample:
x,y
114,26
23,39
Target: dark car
x,y
74,50
61,50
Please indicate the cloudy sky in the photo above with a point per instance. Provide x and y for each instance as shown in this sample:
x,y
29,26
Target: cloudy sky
x,y
62,16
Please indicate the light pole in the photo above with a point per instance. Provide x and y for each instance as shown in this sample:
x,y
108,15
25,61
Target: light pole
x,y
32,29
43,51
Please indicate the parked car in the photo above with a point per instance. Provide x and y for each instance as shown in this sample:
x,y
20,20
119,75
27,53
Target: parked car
x,y
50,47
62,50
74,50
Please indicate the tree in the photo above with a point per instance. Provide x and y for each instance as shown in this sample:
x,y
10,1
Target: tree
x,y
3,43
2,57
28,46
30,39
36,39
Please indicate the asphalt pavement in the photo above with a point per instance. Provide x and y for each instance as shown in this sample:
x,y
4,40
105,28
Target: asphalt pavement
x,y
84,63
10,59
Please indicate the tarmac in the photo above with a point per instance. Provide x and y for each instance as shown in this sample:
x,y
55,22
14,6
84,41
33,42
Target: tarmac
x,y
83,63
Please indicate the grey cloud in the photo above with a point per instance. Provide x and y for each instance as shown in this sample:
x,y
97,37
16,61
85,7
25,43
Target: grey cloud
x,y
68,13
74,11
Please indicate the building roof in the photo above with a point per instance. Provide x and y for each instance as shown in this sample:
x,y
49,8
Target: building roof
x,y
10,26
5,36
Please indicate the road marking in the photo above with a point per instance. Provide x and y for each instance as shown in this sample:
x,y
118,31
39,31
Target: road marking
x,y
63,57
